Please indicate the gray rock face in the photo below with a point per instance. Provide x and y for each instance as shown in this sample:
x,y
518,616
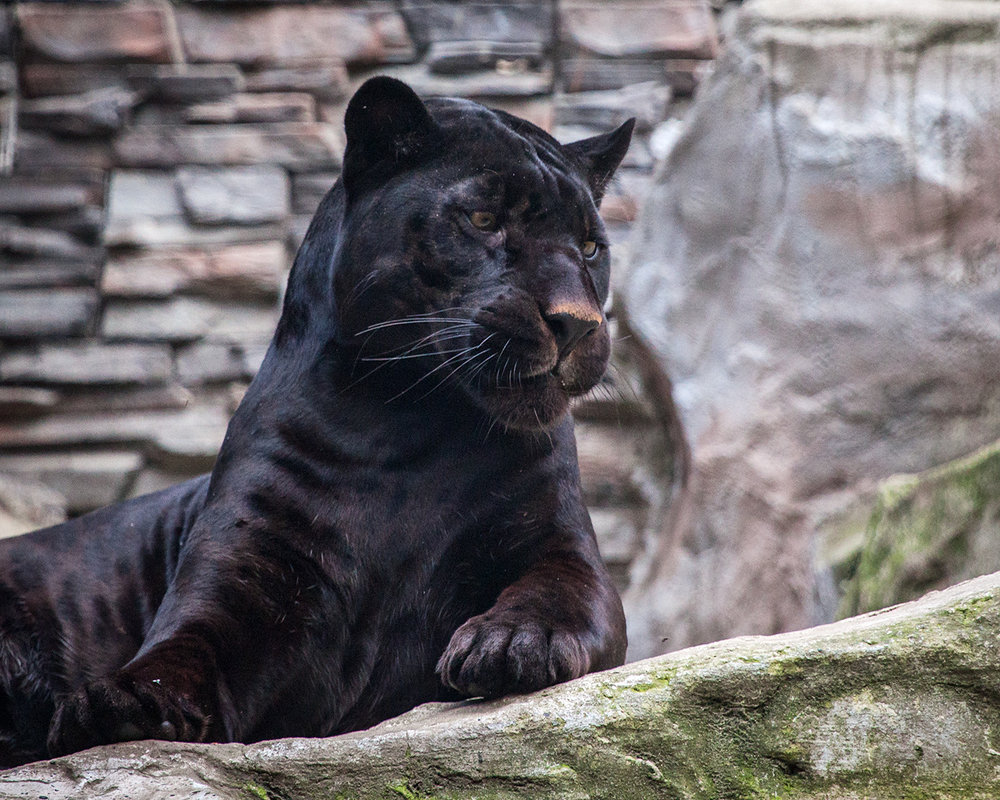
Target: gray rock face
x,y
895,704
818,271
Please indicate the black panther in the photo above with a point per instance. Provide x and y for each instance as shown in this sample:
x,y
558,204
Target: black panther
x,y
395,514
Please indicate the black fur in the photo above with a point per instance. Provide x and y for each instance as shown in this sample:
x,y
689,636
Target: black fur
x,y
395,514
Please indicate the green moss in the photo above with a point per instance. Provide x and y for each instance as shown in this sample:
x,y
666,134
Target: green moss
x,y
256,791
927,531
402,788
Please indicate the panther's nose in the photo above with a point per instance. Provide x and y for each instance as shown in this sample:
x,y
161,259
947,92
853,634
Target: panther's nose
x,y
569,327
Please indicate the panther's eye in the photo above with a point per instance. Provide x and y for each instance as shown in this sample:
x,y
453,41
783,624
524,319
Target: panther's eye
x,y
484,220
590,249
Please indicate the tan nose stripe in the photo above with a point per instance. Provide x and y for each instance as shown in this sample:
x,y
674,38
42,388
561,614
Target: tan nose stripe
x,y
577,310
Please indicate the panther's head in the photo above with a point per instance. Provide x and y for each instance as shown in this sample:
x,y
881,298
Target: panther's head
x,y
472,256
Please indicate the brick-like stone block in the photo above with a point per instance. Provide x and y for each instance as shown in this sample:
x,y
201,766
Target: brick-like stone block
x,y
484,84
19,195
126,398
270,107
104,429
95,33
43,152
639,28
234,195
520,21
26,402
87,363
284,35
38,314
325,79
184,84
242,271
296,145
208,362
186,319
87,480
29,273
145,209
101,112
45,79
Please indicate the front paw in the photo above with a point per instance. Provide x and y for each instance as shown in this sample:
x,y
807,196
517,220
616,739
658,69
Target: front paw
x,y
489,656
121,709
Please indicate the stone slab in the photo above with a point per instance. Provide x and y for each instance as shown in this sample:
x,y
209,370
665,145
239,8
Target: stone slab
x,y
87,363
95,400
23,402
107,429
87,480
296,145
44,79
325,79
285,35
235,195
31,273
184,319
19,195
256,107
623,29
206,362
185,83
100,112
526,23
241,271
95,33
27,504
45,314
44,152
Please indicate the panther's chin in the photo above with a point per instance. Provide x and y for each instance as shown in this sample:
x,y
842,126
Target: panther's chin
x,y
536,403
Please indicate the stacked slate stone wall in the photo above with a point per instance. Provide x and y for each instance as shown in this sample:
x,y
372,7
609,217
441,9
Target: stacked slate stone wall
x,y
160,161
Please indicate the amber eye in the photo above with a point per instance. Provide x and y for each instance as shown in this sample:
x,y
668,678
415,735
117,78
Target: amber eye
x,y
484,220
590,249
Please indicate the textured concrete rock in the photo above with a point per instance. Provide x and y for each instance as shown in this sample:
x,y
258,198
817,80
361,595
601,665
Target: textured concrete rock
x,y
237,195
43,314
818,270
296,145
324,78
892,705
87,363
284,35
683,28
26,504
164,428
183,319
95,32
927,531
239,271
87,480
19,195
185,84
272,107
101,112
212,363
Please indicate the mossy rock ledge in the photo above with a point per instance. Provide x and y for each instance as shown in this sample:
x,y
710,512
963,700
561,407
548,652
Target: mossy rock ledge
x,y
899,703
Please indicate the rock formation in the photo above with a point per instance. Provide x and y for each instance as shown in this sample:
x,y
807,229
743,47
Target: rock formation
x,y
894,704
817,271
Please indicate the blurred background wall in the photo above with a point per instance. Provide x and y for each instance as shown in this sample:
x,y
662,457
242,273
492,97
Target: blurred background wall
x,y
159,164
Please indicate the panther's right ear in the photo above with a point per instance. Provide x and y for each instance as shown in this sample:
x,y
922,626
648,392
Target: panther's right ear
x,y
387,127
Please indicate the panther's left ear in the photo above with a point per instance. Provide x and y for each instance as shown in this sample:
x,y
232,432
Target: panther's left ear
x,y
387,127
601,155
